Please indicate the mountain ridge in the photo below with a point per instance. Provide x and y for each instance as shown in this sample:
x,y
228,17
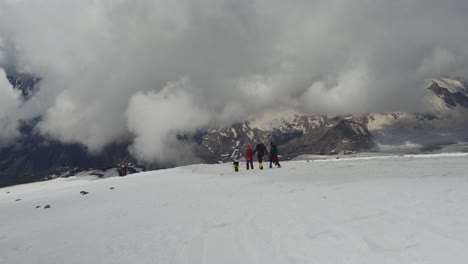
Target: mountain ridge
x,y
34,157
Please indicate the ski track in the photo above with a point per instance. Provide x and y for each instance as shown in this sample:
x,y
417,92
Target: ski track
x,y
383,210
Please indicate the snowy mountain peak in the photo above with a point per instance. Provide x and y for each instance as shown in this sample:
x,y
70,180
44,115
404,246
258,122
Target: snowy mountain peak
x,y
273,120
452,92
452,85
26,83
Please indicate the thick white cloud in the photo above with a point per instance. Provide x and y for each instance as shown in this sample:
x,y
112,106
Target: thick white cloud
x,y
242,57
325,97
157,118
10,101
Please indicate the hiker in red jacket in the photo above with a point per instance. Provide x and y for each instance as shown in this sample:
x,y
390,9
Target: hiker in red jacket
x,y
249,157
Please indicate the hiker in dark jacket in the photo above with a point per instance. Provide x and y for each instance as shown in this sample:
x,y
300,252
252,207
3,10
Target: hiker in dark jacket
x,y
261,151
274,155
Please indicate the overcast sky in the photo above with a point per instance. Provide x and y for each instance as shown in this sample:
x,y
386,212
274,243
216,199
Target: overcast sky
x,y
144,70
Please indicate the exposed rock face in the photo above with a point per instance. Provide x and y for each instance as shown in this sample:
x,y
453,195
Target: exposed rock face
x,y
300,135
28,84
452,98
347,136
216,145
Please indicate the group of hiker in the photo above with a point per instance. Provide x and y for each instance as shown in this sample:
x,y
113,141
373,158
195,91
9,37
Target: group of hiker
x,y
261,151
122,169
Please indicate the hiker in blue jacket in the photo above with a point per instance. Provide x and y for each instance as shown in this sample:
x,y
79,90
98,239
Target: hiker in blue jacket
x,y
274,155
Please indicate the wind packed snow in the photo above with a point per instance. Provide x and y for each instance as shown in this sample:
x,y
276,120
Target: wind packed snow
x,y
409,209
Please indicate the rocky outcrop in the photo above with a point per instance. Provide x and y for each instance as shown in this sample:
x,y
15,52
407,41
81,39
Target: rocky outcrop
x,y
26,83
452,98
329,136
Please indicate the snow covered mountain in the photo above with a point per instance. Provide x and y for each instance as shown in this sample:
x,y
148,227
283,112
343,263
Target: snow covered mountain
x,y
297,135
444,125
26,83
442,128
453,92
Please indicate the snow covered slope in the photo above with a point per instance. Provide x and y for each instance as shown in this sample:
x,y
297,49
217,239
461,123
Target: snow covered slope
x,y
408,209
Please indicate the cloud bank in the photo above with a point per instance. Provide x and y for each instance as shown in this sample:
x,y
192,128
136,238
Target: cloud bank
x,y
9,105
142,71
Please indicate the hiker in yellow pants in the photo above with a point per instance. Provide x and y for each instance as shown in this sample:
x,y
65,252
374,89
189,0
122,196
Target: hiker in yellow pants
x,y
236,155
261,150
